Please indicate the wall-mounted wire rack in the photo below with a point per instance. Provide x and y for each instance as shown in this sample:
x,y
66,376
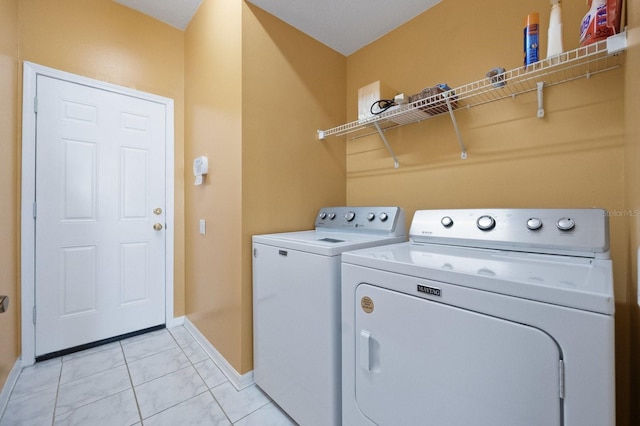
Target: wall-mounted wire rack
x,y
583,62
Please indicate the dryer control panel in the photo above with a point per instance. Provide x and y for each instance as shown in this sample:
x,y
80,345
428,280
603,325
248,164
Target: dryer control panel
x,y
388,220
577,232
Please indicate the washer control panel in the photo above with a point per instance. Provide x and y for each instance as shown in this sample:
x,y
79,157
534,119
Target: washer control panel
x,y
554,231
389,220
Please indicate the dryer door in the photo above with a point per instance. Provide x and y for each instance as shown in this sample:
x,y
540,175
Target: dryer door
x,y
423,362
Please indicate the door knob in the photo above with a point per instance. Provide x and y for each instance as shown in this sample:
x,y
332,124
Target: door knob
x,y
157,226
157,211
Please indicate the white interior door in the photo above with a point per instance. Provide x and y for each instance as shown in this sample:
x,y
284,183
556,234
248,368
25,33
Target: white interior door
x,y
100,189
421,362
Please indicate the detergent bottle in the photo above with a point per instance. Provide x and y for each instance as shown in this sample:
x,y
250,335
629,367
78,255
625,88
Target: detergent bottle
x,y
600,22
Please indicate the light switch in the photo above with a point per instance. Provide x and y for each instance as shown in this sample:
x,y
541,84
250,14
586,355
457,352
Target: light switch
x,y
203,226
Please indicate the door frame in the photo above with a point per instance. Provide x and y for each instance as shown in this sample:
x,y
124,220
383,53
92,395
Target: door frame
x,y
28,193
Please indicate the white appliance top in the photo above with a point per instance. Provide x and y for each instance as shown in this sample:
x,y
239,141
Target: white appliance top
x,y
343,228
530,263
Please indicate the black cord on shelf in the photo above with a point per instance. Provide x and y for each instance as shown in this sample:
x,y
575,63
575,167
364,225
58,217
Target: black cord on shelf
x,y
383,105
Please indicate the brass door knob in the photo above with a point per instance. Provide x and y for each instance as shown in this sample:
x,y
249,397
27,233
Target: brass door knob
x,y
157,226
157,211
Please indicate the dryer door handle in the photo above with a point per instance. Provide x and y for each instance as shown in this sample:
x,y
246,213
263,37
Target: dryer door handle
x,y
365,350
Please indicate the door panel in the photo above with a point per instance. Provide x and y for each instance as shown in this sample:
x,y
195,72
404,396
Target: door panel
x,y
100,172
135,282
422,362
79,273
79,186
135,166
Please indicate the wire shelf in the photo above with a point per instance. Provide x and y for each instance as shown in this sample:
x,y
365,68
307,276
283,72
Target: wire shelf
x,y
579,63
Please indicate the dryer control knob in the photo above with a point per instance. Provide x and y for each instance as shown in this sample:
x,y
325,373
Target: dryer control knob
x,y
371,216
384,217
332,216
534,224
486,223
566,224
350,216
447,222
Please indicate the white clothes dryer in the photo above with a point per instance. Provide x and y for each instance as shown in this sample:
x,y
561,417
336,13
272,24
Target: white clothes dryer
x,y
296,307
485,318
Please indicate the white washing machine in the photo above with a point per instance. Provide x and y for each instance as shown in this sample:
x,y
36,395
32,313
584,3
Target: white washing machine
x,y
484,318
296,307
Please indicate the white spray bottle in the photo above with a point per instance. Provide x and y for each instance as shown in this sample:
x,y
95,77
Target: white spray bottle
x,y
554,42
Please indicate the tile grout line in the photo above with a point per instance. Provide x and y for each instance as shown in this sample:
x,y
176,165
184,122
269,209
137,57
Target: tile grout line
x,y
55,402
200,375
133,388
192,365
269,400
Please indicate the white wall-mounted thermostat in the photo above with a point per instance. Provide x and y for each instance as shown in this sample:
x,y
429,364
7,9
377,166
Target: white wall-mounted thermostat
x,y
200,168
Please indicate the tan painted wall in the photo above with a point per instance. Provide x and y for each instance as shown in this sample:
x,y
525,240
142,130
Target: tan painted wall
x,y
9,158
574,157
106,41
255,90
213,96
632,171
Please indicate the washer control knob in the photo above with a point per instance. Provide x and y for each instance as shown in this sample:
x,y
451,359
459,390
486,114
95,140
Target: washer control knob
x,y
486,223
566,224
534,224
332,216
371,216
384,217
447,222
323,215
350,216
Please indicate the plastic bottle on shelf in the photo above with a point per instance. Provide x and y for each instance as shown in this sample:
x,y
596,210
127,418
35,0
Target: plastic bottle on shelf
x,y
597,24
554,42
531,34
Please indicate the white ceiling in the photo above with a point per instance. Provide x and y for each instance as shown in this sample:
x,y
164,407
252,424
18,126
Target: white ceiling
x,y
343,25
177,13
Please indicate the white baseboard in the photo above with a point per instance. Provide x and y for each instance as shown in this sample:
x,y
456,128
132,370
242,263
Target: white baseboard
x,y
239,381
174,322
12,379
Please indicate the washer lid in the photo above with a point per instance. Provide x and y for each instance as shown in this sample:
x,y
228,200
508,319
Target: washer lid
x,y
576,282
326,243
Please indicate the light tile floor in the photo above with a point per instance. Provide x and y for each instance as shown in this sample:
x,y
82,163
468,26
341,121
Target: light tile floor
x,y
159,378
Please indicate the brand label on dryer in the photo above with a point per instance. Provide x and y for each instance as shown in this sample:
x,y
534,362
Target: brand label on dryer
x,y
433,291
366,304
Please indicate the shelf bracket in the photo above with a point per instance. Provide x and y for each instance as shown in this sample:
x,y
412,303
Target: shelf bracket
x,y
540,104
386,143
463,154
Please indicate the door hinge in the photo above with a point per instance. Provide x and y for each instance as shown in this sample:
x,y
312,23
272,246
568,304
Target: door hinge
x,y
35,105
561,376
34,315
